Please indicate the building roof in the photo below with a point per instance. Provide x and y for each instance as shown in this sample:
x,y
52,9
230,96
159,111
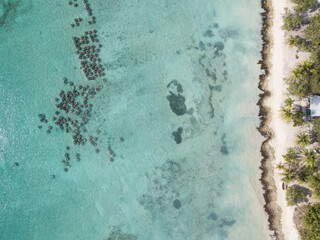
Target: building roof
x,y
315,106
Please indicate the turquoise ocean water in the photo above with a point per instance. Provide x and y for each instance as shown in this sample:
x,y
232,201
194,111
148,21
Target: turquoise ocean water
x,y
181,91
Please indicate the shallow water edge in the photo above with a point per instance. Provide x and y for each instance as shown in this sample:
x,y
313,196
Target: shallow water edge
x,y
177,79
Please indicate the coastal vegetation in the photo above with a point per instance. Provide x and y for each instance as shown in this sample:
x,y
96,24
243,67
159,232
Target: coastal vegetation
x,y
304,79
312,222
302,139
316,129
314,183
299,169
303,5
294,195
287,115
292,20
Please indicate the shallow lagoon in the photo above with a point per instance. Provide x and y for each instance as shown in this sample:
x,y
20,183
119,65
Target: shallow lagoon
x,y
181,90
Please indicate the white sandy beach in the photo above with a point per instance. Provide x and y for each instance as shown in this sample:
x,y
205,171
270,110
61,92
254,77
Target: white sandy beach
x,y
282,61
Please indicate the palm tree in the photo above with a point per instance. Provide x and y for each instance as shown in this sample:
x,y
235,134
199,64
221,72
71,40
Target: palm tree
x,y
288,176
292,152
288,158
310,158
306,66
288,102
291,41
296,75
280,166
286,115
302,139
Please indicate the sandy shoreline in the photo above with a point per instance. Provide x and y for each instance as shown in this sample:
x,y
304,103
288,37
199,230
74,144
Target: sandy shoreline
x,y
278,58
282,60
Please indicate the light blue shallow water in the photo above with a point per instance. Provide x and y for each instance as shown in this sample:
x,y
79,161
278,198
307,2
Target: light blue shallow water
x,y
202,54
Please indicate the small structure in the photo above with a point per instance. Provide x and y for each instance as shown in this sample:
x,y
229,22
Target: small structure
x,y
314,103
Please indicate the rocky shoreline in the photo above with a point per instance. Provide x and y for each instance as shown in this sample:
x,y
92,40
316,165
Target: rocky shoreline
x,y
266,150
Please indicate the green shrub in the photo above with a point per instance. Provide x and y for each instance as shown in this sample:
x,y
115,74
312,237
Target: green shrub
x,y
303,5
312,32
316,128
315,83
305,77
293,195
298,119
294,41
305,172
298,89
314,183
312,222
300,43
291,20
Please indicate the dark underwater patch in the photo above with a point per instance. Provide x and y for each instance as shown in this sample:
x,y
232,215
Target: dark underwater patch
x,y
177,203
177,135
208,33
177,104
213,216
211,112
219,46
224,150
202,47
226,222
217,88
211,74
117,234
7,8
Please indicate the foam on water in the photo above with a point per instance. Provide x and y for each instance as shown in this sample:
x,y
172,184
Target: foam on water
x,y
181,91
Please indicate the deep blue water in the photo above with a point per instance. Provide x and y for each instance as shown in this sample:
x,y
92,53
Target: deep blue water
x,y
180,91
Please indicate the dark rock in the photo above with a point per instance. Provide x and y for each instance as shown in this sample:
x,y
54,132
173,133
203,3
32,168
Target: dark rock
x,y
177,135
219,46
224,150
177,104
177,203
213,216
